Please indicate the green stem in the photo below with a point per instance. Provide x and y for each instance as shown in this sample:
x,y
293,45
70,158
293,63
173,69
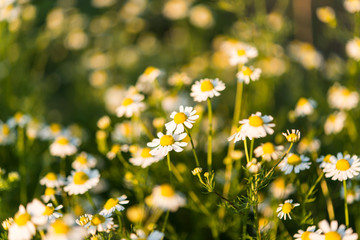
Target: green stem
x,y
63,166
313,187
87,194
169,166
346,205
209,155
193,148
122,160
227,200
22,163
246,151
165,222
251,148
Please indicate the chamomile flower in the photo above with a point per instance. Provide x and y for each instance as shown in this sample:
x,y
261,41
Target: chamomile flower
x,y
206,88
19,119
42,214
64,229
304,107
83,220
268,151
81,181
63,146
49,194
324,160
7,223
285,209
50,132
115,149
165,198
240,135
334,123
333,231
352,195
104,122
257,126
292,137
166,143
140,234
185,117
342,167
294,162
306,54
247,74
326,15
7,134
352,6
253,166
52,180
146,80
304,235
143,158
100,223
131,105
84,161
179,79
241,53
114,204
22,228
342,98
280,189
307,145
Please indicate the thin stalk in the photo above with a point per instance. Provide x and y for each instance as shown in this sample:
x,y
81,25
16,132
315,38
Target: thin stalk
x,y
146,129
22,163
346,205
246,151
63,166
193,148
122,160
165,222
169,166
313,187
251,148
227,200
209,155
325,190
87,194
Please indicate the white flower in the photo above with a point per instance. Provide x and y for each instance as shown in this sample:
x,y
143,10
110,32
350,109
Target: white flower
x,y
342,98
324,160
294,162
100,223
206,88
253,166
113,204
285,209
140,234
268,151
248,73
166,143
294,136
353,193
334,123
352,6
280,189
333,231
257,126
50,132
143,158
19,119
304,107
81,181
84,161
146,80
51,180
131,105
49,194
342,167
179,79
301,234
42,214
63,147
240,135
306,54
9,11
241,53
186,116
165,198
64,229
7,134
308,145
22,228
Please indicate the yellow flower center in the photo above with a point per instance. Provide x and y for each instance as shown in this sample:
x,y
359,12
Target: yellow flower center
x,y
22,219
112,202
255,121
62,141
145,153
180,118
5,130
81,159
327,158
302,102
55,128
51,176
167,190
166,140
48,210
247,71
18,116
206,85
49,191
97,219
346,92
287,207
80,178
149,70
127,101
280,183
332,236
291,137
294,159
83,220
342,165
305,236
60,227
268,148
332,118
241,52
115,148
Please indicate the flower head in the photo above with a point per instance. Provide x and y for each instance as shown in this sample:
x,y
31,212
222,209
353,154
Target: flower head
x,y
165,197
324,160
257,126
52,180
294,136
253,166
81,181
304,107
63,146
206,88
240,53
268,151
64,229
248,73
334,123
114,204
142,157
285,209
342,98
185,117
166,143
304,235
333,231
131,105
342,167
100,223
352,6
22,228
84,161
294,162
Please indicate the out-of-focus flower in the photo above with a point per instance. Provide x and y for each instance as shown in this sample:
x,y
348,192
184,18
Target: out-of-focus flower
x,y
294,162
304,107
7,134
19,119
51,180
115,149
324,160
102,3
22,228
275,20
9,11
306,54
334,123
333,231
342,98
253,166
326,15
140,234
100,223
353,193
63,147
268,151
84,161
285,209
50,132
113,97
80,182
49,194
352,6
353,48
76,39
55,19
239,53
206,88
240,135
166,143
257,126
7,223
248,73
143,158
342,167
64,229
131,105
146,80
179,79
280,189
200,16
114,204
104,122
334,67
176,9
42,214
307,145
165,198
301,234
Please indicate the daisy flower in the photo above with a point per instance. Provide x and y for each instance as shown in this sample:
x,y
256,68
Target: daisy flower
x,y
7,223
49,194
143,158
294,136
257,126
253,166
81,181
241,53
131,105
84,219
7,134
42,214
285,209
22,228
165,198
306,54
268,151
51,180
146,80
294,162
352,6
304,107
304,235
342,167
353,48
324,160
342,98
50,132
307,145
326,15
353,193
64,229
19,119
115,149
240,135
333,231
62,147
114,204
248,73
140,234
179,79
334,123
84,161
206,88
103,122
166,143
185,117
100,223
280,189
